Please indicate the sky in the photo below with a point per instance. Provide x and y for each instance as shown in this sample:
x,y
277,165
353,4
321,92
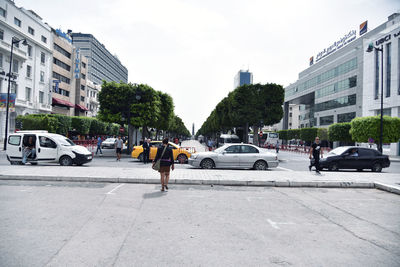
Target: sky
x,y
192,49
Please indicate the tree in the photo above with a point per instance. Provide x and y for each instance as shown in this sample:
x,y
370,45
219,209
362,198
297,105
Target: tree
x,y
283,134
308,134
322,133
293,134
340,132
166,112
363,128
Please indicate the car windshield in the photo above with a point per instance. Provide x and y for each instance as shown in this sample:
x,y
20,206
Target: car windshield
x,y
220,150
338,151
273,135
64,141
110,140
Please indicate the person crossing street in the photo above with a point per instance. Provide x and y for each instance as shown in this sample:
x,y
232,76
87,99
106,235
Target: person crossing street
x,y
315,153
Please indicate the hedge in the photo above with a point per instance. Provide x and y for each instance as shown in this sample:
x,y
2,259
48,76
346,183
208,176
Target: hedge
x,y
364,128
61,124
293,134
322,133
283,134
308,134
340,132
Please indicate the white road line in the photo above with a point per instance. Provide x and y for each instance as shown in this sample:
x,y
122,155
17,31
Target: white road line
x,y
273,224
115,188
285,169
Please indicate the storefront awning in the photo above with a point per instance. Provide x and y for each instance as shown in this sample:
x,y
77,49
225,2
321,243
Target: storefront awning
x,y
81,107
61,102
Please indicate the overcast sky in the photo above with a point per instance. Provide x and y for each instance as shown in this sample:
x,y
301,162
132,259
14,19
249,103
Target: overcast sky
x,y
192,49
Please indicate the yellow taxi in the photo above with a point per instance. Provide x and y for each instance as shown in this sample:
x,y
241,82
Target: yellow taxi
x,y
180,154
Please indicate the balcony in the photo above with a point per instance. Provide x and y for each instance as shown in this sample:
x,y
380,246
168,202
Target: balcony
x,y
18,53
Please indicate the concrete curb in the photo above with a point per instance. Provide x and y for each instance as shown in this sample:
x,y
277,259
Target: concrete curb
x,y
296,184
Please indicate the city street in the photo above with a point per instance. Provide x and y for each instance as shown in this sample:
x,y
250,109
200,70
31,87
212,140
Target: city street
x,y
100,224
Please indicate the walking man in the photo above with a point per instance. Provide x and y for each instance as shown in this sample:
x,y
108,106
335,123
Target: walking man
x,y
315,152
99,141
119,144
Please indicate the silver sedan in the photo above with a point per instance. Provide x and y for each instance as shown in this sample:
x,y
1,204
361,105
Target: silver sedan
x,y
235,156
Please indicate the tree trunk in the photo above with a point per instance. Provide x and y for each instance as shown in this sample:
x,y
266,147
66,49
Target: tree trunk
x,y
130,138
246,133
256,139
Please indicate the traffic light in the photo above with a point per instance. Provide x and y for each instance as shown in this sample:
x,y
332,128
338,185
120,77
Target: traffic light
x,y
370,47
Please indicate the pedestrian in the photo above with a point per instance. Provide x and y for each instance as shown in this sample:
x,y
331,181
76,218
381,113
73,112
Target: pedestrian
x,y
146,151
99,141
315,153
119,145
166,157
277,146
29,149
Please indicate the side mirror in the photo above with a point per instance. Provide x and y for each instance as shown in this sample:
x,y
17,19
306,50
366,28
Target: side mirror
x,y
223,152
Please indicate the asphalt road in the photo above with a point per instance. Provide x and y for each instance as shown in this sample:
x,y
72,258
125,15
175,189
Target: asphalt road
x,y
289,162
94,224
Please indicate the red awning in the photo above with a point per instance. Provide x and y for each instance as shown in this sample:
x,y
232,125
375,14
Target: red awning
x,y
81,107
61,102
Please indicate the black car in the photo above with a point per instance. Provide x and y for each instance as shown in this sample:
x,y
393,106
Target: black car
x,y
352,157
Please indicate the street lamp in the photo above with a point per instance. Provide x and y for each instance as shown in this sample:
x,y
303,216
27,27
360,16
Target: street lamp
x,y
13,41
369,50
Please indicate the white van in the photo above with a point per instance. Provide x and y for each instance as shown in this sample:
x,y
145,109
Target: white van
x,y
228,139
49,148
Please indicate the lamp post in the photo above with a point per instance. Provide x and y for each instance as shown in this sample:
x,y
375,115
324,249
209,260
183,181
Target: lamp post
x,y
370,49
13,41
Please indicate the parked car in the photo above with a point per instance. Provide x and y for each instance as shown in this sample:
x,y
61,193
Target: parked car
x,y
179,153
235,156
352,157
49,148
109,143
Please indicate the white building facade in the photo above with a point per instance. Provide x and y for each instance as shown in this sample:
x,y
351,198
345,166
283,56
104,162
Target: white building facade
x,y
389,39
31,64
92,97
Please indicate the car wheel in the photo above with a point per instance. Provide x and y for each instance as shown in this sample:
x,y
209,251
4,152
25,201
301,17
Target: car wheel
x,y
376,167
141,157
14,162
334,167
207,164
182,158
33,163
260,165
65,161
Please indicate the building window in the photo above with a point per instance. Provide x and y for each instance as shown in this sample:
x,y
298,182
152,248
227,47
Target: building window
x,y
41,97
29,50
290,114
28,71
61,78
83,65
376,74
14,88
388,67
83,76
15,66
82,98
31,31
61,64
327,120
62,51
82,87
42,57
336,103
1,60
17,22
3,12
346,117
1,34
44,39
28,94
42,76
386,112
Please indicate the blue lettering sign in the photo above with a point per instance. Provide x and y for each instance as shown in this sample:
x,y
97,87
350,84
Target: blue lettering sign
x,y
63,35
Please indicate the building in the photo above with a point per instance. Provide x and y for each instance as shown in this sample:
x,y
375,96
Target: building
x,y
389,39
102,65
92,96
31,66
69,77
338,87
243,77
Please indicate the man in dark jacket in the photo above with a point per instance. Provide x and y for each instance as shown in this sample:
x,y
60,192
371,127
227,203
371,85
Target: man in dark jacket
x,y
146,151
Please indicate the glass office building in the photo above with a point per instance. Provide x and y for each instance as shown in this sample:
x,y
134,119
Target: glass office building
x,y
102,65
331,90
243,77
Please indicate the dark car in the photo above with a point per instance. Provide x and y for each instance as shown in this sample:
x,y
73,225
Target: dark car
x,y
352,157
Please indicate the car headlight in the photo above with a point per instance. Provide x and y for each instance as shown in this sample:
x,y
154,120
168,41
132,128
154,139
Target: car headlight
x,y
194,156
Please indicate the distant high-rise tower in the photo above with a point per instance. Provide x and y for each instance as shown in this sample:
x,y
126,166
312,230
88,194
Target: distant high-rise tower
x,y
243,77
193,129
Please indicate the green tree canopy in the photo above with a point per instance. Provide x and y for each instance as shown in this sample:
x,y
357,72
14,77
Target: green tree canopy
x,y
363,128
340,132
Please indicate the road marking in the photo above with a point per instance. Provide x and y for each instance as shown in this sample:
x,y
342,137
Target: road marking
x,y
115,188
275,224
285,169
